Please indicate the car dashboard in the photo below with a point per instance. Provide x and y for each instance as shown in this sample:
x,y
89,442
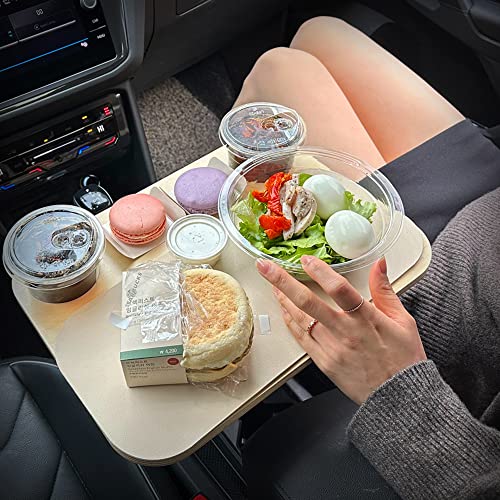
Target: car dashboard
x,y
67,106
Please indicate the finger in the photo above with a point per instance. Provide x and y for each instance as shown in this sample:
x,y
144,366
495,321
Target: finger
x,y
383,296
297,292
319,333
334,285
301,336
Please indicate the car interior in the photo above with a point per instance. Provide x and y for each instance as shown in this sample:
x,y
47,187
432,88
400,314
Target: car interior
x,y
117,94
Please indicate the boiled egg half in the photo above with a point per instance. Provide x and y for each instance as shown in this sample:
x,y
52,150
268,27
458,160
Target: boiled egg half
x,y
349,234
328,193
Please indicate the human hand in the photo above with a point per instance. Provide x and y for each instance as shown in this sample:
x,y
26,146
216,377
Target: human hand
x,y
357,350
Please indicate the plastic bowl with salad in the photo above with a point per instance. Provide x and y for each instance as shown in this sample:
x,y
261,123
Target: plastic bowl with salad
x,y
310,201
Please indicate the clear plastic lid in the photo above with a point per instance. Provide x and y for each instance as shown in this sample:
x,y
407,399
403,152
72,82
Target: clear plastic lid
x,y
261,126
53,247
197,237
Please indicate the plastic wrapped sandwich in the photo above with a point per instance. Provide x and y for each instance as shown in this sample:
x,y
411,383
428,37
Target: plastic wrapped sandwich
x,y
215,346
182,325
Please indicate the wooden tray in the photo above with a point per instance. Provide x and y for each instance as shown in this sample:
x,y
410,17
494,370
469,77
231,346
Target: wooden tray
x,y
164,424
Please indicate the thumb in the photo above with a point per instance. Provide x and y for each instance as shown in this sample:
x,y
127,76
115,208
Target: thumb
x,y
383,295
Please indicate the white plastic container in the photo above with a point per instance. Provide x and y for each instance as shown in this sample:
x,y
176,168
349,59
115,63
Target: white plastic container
x,y
197,239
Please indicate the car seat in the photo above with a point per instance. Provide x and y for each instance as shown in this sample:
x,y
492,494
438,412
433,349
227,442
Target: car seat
x,y
51,448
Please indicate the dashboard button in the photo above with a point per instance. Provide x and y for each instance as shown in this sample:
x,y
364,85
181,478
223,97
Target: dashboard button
x,y
105,128
100,35
88,4
18,165
28,24
7,35
95,22
3,173
28,177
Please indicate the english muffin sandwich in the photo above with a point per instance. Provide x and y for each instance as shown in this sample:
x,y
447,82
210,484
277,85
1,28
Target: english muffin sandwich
x,y
221,341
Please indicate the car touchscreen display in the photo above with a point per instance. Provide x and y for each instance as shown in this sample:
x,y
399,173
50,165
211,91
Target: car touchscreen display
x,y
41,43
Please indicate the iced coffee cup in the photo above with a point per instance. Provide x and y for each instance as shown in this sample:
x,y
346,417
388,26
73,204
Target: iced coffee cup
x,y
260,127
55,252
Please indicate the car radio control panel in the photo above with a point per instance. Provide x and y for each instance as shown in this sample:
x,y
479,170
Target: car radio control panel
x,y
39,154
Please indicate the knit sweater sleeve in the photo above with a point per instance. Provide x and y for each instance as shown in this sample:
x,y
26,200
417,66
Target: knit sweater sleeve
x,y
422,439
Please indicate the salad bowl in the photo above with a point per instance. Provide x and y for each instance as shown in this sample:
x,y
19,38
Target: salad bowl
x,y
367,192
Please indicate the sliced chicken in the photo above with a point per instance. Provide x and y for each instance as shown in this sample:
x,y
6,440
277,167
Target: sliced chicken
x,y
287,199
304,209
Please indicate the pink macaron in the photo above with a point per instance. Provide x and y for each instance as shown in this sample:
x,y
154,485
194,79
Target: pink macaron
x,y
137,219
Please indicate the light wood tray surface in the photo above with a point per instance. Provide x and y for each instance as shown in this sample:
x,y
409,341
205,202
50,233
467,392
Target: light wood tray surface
x,y
164,424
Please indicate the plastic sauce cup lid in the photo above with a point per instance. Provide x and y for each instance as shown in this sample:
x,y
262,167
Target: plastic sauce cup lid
x,y
261,126
53,247
197,237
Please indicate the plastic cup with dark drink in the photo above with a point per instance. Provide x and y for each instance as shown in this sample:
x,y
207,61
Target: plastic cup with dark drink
x,y
55,252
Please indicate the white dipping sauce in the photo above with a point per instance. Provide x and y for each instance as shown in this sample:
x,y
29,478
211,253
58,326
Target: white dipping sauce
x,y
197,239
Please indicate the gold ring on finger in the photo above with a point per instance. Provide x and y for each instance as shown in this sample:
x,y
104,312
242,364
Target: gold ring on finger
x,y
354,309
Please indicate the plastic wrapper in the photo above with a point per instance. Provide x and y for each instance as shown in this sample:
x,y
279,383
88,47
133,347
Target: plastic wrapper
x,y
156,303
152,299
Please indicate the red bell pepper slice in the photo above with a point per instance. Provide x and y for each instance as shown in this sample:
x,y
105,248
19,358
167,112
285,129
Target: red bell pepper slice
x,y
274,225
271,194
271,233
262,197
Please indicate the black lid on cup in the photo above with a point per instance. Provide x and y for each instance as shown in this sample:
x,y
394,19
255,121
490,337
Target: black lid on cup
x,y
261,126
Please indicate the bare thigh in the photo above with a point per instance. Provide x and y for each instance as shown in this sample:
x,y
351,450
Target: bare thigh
x,y
397,108
299,80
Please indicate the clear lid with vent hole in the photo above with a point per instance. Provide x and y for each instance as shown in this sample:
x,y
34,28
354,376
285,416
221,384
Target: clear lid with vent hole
x,y
261,126
53,247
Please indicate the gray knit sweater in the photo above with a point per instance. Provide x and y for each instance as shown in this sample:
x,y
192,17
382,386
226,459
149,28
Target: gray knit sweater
x,y
432,430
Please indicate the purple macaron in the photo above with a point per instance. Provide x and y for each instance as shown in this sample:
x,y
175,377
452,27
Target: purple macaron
x,y
198,190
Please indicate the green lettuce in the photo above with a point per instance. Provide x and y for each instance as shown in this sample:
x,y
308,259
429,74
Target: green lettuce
x,y
248,211
311,242
303,178
363,208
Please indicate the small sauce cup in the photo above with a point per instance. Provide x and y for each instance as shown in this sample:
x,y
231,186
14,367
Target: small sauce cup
x,y
197,239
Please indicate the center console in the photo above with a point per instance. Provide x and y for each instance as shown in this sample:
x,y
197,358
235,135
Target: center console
x,y
66,105
67,109
37,155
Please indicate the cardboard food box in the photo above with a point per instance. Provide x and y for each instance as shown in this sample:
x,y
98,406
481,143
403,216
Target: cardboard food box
x,y
151,342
